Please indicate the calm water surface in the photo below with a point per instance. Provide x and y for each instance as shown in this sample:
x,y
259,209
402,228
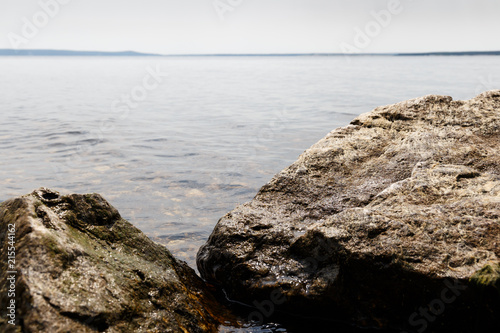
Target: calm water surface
x,y
206,138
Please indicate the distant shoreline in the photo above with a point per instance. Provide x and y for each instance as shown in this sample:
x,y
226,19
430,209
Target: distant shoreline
x,y
69,53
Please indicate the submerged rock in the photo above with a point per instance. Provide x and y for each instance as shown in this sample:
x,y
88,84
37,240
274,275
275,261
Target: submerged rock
x,y
392,222
80,267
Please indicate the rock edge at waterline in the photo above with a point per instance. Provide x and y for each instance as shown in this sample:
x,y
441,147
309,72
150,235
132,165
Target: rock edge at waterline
x,y
391,221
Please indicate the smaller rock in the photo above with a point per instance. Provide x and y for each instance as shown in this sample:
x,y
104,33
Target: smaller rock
x,y
80,267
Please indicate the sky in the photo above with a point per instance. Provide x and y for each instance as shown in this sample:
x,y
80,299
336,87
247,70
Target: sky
x,y
251,26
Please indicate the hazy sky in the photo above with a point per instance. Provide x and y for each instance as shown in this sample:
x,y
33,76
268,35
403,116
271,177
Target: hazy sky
x,y
251,26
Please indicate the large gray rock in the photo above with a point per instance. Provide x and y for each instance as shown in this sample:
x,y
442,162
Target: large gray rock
x,y
82,268
379,221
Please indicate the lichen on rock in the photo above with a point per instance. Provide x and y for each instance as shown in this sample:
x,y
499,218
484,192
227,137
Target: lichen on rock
x,y
371,222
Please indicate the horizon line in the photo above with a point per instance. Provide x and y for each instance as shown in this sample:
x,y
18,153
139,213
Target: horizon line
x,y
58,52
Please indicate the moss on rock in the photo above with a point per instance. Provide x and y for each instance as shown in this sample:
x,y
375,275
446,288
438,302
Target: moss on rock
x,y
82,268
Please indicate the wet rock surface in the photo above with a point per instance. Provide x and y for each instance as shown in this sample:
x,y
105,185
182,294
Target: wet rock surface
x,y
390,222
80,267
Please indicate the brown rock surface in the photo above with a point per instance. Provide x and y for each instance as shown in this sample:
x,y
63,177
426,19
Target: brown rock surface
x,y
82,268
377,220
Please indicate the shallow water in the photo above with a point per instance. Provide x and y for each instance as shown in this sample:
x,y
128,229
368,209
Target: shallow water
x,y
206,138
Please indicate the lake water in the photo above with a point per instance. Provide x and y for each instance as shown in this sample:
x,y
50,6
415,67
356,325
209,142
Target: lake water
x,y
175,152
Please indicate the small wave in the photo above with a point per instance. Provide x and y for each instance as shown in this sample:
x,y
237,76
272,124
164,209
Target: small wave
x,y
190,184
50,135
142,147
92,142
166,156
156,140
56,144
74,133
185,235
140,179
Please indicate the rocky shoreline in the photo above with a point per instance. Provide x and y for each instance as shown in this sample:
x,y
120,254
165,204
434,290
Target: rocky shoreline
x,y
390,223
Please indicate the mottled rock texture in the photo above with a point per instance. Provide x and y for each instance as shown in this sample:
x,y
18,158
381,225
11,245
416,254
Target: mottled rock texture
x,y
394,215
82,268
